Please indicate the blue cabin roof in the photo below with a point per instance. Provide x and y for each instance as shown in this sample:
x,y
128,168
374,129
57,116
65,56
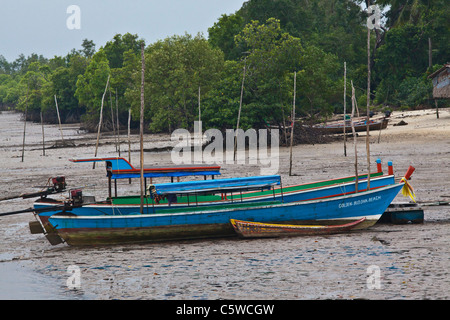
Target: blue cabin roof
x,y
218,185
122,169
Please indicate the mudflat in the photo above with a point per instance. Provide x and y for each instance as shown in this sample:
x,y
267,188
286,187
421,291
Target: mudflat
x,y
413,260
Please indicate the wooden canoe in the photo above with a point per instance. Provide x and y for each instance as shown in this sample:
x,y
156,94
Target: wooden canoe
x,y
337,127
248,229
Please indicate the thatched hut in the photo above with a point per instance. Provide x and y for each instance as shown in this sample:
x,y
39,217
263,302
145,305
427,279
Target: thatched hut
x,y
441,82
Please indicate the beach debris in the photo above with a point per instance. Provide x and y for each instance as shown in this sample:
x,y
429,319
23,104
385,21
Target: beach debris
x,y
401,123
383,242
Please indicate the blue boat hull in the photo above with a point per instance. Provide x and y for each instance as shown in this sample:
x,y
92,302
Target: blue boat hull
x,y
210,222
300,195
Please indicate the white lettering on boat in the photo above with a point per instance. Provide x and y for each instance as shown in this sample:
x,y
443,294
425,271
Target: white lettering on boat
x,y
358,202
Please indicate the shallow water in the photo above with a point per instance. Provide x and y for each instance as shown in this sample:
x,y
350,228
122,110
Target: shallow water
x,y
413,260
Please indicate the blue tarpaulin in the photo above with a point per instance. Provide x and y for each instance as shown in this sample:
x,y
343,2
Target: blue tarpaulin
x,y
218,185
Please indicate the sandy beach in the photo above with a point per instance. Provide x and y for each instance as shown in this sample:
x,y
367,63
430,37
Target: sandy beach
x,y
414,259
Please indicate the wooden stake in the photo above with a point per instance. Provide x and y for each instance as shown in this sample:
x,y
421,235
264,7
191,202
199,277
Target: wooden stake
x,y
129,139
345,108
117,117
200,120
437,108
379,136
199,110
43,136
368,109
112,116
59,120
292,125
239,114
25,127
142,127
100,121
354,136
430,62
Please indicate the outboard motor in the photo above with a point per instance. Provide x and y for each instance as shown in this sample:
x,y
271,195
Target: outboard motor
x,y
59,183
76,196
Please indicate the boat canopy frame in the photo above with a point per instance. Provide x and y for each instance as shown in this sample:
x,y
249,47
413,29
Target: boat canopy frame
x,y
120,168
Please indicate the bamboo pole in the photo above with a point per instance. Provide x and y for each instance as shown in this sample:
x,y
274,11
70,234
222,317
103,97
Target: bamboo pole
x,y
437,108
25,126
112,117
239,114
43,136
345,108
293,122
200,118
430,61
199,109
142,127
117,122
59,120
129,139
379,135
100,121
354,106
368,110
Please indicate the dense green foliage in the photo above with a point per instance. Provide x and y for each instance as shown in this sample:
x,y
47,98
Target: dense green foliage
x,y
268,41
175,70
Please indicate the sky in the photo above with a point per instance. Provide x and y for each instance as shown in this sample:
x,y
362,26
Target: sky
x,y
53,27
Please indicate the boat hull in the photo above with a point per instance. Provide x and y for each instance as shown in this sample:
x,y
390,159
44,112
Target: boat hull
x,y
359,126
129,206
215,222
248,229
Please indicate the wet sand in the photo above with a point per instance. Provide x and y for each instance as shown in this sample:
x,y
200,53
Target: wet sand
x,y
414,259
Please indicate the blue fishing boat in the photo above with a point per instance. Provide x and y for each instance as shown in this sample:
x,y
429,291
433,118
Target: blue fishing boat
x,y
210,192
214,221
